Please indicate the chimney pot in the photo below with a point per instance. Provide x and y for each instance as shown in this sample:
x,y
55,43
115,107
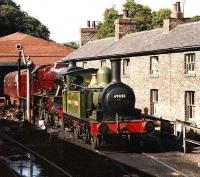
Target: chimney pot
x,y
125,13
93,24
175,7
178,4
88,23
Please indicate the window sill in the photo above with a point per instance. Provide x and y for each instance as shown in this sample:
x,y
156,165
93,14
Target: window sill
x,y
192,121
154,75
190,75
126,76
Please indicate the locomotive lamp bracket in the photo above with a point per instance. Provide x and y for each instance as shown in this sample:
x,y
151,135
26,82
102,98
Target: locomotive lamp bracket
x,y
21,53
19,47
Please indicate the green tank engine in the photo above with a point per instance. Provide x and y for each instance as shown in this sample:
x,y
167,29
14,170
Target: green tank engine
x,y
83,87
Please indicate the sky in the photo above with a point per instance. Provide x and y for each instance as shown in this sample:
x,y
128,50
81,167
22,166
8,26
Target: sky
x,y
64,18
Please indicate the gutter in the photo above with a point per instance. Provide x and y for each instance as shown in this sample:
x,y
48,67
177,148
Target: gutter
x,y
136,54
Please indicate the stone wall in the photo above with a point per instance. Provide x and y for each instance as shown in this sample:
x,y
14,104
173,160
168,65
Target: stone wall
x,y
172,82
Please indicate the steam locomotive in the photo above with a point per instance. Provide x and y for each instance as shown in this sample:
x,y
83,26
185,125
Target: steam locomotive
x,y
97,106
43,92
92,103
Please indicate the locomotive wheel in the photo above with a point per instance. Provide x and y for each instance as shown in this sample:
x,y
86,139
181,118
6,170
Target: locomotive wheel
x,y
77,132
86,137
46,117
136,142
97,142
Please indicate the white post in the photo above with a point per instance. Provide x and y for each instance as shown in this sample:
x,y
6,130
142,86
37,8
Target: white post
x,y
184,137
175,130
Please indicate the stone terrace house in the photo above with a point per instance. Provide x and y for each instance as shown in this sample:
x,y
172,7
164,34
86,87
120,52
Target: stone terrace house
x,y
162,66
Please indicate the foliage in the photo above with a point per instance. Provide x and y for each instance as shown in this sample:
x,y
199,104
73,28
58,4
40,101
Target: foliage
x,y
146,19
10,3
12,20
142,14
107,28
195,18
159,16
72,44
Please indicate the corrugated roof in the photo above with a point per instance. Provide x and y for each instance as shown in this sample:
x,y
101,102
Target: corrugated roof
x,y
41,51
184,36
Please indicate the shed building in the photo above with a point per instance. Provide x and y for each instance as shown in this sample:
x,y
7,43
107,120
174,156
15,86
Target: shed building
x,y
41,52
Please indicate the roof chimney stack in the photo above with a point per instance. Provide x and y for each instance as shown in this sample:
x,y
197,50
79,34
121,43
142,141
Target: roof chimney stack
x,y
176,12
89,33
124,25
176,18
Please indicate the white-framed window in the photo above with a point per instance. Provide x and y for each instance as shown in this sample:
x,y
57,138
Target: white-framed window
x,y
103,63
154,66
126,63
154,101
189,105
84,64
190,63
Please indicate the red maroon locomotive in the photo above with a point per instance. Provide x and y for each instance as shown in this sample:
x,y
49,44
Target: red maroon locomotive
x,y
43,91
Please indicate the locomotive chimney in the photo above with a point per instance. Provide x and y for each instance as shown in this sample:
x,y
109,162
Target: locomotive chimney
x,y
116,69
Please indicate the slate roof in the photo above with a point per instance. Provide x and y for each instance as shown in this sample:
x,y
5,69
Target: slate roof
x,y
183,37
92,48
41,51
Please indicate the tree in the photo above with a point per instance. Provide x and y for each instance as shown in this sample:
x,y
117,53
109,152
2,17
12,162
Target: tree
x,y
146,19
72,44
159,16
107,28
195,18
12,20
142,14
10,3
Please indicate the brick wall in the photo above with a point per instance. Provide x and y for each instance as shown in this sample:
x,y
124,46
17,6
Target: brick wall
x,y
87,34
124,26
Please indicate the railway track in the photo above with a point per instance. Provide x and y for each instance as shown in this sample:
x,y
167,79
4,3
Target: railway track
x,y
35,154
167,164
128,163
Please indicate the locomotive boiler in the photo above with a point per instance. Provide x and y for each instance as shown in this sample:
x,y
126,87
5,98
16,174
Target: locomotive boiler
x,y
98,106
45,102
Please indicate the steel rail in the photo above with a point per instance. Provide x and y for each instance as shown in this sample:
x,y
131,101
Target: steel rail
x,y
35,154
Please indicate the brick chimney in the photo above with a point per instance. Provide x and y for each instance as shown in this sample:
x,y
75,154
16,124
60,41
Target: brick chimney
x,y
176,11
176,18
89,33
124,26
